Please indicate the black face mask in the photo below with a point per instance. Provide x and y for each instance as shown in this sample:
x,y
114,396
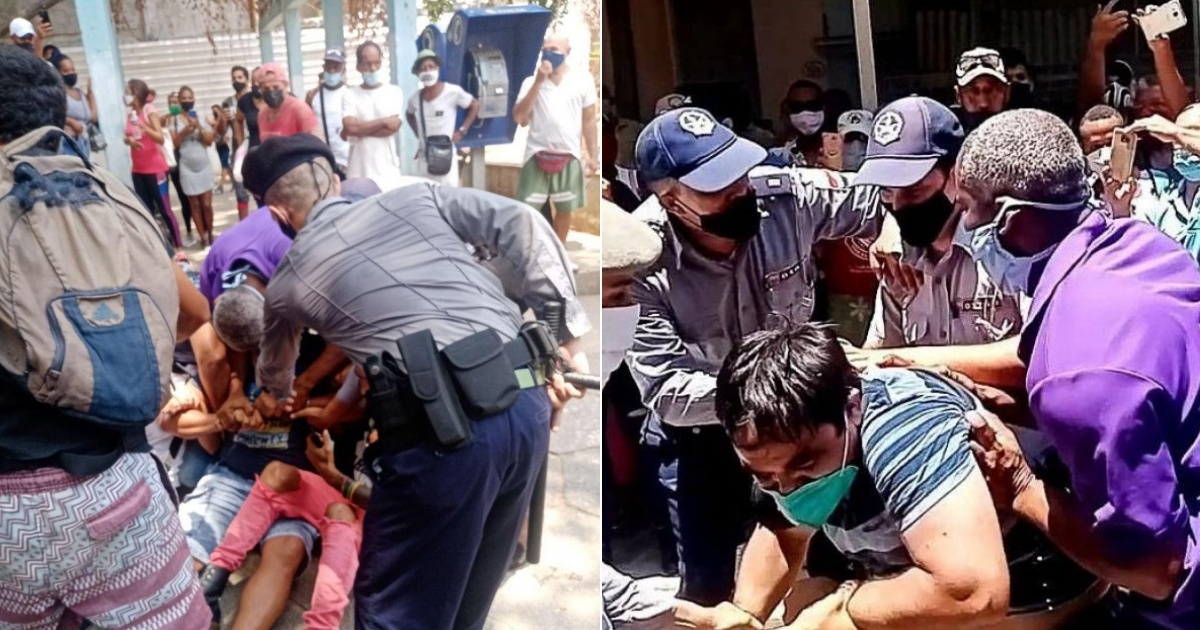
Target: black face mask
x,y
70,79
256,93
238,86
26,46
274,98
287,230
187,105
971,121
739,221
921,224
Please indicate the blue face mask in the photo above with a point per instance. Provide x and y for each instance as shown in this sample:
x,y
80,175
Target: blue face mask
x,y
370,78
1009,272
333,79
1188,165
813,503
556,59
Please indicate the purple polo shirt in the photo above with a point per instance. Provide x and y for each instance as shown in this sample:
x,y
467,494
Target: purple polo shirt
x,y
1113,348
256,240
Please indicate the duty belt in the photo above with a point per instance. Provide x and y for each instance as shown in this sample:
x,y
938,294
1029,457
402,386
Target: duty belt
x,y
530,353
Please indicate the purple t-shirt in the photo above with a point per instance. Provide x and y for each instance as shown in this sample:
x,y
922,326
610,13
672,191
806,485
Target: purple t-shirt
x,y
257,240
1113,349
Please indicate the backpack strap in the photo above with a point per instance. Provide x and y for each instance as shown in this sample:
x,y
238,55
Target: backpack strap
x,y
36,139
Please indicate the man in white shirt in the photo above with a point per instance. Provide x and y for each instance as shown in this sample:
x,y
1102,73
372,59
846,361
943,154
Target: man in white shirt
x,y
558,103
437,103
326,102
371,116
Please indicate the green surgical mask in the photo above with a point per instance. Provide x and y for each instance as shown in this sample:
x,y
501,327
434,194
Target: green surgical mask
x,y
813,503
175,110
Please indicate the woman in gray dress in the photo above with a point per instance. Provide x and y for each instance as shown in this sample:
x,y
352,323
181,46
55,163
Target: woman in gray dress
x,y
192,135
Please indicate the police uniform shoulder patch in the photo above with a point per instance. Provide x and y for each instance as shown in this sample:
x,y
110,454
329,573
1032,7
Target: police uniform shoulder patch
x,y
769,182
887,128
697,123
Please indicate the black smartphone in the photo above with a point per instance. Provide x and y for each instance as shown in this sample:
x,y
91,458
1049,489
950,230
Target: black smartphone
x,y
316,438
45,15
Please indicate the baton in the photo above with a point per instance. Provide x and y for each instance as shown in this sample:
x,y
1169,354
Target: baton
x,y
580,379
552,316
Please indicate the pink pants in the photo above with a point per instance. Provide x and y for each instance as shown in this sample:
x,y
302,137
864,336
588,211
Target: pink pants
x,y
340,541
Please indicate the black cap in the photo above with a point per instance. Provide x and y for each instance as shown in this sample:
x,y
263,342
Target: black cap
x,y
272,159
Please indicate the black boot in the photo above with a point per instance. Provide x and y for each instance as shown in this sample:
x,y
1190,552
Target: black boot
x,y
212,582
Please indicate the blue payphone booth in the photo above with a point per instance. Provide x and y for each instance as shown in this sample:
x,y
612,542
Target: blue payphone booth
x,y
489,51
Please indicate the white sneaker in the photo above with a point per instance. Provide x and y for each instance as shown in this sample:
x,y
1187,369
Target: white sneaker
x,y
191,240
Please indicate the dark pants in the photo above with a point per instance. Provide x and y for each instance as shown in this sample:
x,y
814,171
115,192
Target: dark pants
x,y
184,206
441,528
145,186
708,495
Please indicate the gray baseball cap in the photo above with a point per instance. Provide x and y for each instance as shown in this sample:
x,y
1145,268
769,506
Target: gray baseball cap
x,y
908,138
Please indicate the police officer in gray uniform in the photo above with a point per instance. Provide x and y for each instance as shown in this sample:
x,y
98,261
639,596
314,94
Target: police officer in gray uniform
x,y
389,274
911,154
737,247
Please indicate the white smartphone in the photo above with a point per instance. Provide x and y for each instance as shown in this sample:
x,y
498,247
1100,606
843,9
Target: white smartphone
x,y
1166,18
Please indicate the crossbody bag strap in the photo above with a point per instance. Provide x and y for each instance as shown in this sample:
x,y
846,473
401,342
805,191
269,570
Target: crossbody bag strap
x,y
421,113
324,116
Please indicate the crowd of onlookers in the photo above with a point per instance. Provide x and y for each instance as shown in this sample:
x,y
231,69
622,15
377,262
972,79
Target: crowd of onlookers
x,y
865,220
250,469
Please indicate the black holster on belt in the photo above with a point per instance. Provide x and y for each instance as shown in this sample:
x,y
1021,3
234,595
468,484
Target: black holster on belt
x,y
439,392
433,391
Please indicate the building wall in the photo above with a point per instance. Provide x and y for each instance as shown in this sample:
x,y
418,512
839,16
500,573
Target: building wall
x,y
785,34
654,50
160,20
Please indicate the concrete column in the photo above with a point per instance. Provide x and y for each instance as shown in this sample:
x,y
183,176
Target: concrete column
x,y
402,51
104,68
295,56
334,16
866,54
266,45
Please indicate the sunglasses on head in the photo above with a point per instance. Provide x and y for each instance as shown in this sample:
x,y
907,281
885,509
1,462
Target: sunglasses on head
x,y
967,64
795,107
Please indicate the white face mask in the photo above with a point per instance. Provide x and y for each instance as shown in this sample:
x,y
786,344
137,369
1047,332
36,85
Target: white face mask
x,y
807,123
618,324
128,100
428,79
1009,272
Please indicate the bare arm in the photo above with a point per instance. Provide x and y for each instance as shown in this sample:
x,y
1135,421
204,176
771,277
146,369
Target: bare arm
x,y
944,589
154,130
472,113
1106,26
190,424
91,98
523,112
366,128
212,363
206,135
1174,92
589,133
177,136
193,308
239,128
994,364
770,564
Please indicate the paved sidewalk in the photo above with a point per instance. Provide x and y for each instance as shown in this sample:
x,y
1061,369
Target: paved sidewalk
x,y
562,592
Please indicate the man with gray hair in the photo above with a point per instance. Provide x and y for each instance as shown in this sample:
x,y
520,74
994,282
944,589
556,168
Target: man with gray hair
x,y
1123,414
238,315
391,270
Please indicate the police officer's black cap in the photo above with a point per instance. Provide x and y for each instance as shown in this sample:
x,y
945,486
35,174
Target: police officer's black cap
x,y
272,159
